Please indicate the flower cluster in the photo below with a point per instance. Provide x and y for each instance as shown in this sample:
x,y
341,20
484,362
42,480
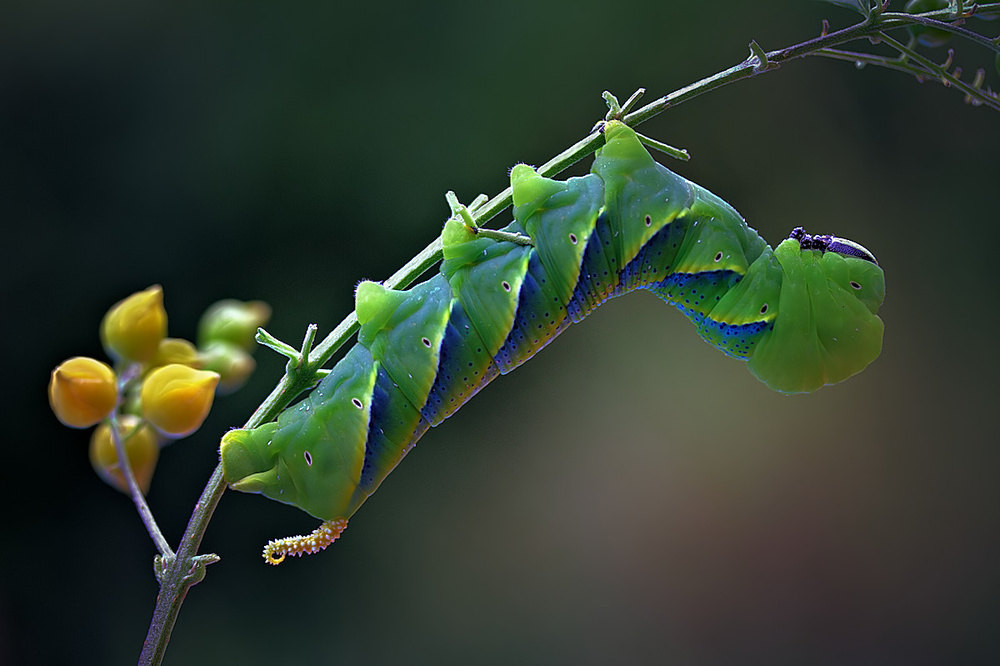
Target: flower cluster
x,y
160,388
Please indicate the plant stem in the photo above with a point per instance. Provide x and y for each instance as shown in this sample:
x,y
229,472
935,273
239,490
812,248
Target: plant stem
x,y
177,573
133,486
934,69
892,19
751,67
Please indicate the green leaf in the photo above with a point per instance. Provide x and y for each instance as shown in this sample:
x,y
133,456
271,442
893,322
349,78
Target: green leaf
x,y
863,7
998,63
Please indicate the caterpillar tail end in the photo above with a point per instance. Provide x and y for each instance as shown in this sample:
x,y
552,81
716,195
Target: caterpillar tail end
x,y
304,544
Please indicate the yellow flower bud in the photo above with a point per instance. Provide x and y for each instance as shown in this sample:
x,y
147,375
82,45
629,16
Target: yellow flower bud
x,y
141,448
82,391
175,350
232,321
133,328
232,363
177,398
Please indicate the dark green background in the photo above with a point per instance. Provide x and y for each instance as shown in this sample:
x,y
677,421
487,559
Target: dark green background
x,y
631,495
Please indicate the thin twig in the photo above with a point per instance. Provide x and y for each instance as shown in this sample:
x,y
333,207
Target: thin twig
x,y
145,514
946,77
894,20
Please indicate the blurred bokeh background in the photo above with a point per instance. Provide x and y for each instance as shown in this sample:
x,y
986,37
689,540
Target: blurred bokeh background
x,y
629,496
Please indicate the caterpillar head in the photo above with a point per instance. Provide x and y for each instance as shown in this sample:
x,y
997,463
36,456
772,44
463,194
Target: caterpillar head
x,y
287,465
827,328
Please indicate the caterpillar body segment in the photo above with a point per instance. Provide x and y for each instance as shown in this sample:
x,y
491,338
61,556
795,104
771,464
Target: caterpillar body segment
x,y
802,315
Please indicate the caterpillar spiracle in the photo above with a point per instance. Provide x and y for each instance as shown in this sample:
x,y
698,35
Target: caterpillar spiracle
x,y
802,315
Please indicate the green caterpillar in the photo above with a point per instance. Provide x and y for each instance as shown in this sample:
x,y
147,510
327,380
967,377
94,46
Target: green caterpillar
x,y
802,315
